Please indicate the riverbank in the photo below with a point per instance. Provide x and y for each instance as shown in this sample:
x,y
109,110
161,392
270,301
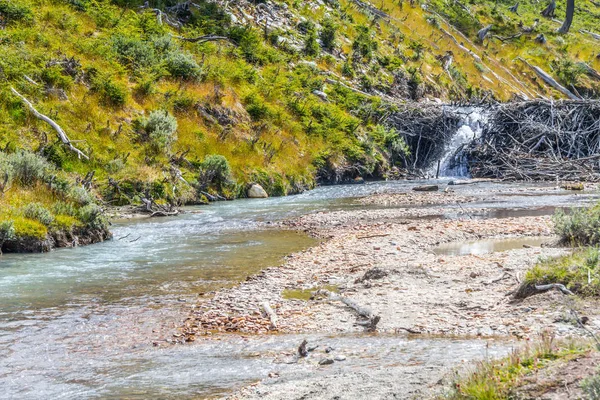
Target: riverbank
x,y
387,260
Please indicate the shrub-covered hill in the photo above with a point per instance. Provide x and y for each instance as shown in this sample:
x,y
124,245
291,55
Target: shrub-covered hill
x,y
184,102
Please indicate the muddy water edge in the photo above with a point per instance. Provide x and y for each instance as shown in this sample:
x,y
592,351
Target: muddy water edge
x,y
103,320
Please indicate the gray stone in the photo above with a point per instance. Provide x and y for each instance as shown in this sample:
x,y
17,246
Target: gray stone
x,y
257,192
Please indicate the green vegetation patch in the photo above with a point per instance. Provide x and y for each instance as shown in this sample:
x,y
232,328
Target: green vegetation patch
x,y
579,272
499,379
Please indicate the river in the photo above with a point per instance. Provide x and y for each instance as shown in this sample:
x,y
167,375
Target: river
x,y
83,322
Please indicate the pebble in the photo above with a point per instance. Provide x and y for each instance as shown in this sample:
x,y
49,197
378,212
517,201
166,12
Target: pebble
x,y
340,358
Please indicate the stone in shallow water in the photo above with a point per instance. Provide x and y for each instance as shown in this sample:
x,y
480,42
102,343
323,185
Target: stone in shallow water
x,y
257,192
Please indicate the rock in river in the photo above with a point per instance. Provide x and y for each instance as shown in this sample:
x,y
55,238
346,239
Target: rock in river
x,y
257,192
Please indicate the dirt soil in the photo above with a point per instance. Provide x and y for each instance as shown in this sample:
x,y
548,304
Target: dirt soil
x,y
383,260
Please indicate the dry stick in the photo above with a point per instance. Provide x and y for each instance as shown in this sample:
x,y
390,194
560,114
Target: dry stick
x,y
61,133
373,236
270,313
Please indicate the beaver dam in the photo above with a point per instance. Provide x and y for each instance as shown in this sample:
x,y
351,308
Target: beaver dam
x,y
531,140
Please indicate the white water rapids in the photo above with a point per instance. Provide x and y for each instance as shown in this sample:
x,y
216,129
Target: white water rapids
x,y
453,163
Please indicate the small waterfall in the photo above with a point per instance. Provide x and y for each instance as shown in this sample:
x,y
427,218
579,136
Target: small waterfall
x,y
453,162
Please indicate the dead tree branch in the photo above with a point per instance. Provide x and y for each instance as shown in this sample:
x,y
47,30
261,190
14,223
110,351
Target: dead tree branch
x,y
61,133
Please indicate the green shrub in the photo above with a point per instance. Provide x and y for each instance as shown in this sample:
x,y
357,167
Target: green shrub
x,y
7,231
80,195
39,213
10,12
92,216
160,128
256,107
29,168
214,172
29,229
54,77
134,53
311,47
182,65
580,272
580,227
364,45
111,92
327,34
114,166
591,386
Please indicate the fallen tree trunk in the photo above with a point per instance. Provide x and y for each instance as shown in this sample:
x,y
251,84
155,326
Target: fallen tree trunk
x,y
528,289
369,321
61,133
551,81
204,39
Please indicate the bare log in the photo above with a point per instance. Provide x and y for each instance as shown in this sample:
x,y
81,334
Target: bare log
x,y
426,188
592,34
551,81
370,320
559,286
589,70
204,39
270,313
61,133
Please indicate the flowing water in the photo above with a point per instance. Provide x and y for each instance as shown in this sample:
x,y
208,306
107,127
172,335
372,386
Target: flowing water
x,y
453,163
79,323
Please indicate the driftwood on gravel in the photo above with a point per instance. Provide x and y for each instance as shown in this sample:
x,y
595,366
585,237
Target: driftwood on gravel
x,y
539,140
269,313
527,289
369,320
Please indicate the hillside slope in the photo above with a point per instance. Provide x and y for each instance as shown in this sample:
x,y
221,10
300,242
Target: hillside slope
x,y
179,103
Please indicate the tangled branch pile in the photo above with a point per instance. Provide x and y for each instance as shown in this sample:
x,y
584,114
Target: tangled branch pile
x,y
539,140
426,130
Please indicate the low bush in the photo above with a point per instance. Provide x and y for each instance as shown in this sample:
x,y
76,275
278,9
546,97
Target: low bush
x,y
328,34
215,172
7,231
499,379
39,213
591,386
134,53
11,11
160,128
579,272
25,228
92,216
113,93
182,65
27,168
579,227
